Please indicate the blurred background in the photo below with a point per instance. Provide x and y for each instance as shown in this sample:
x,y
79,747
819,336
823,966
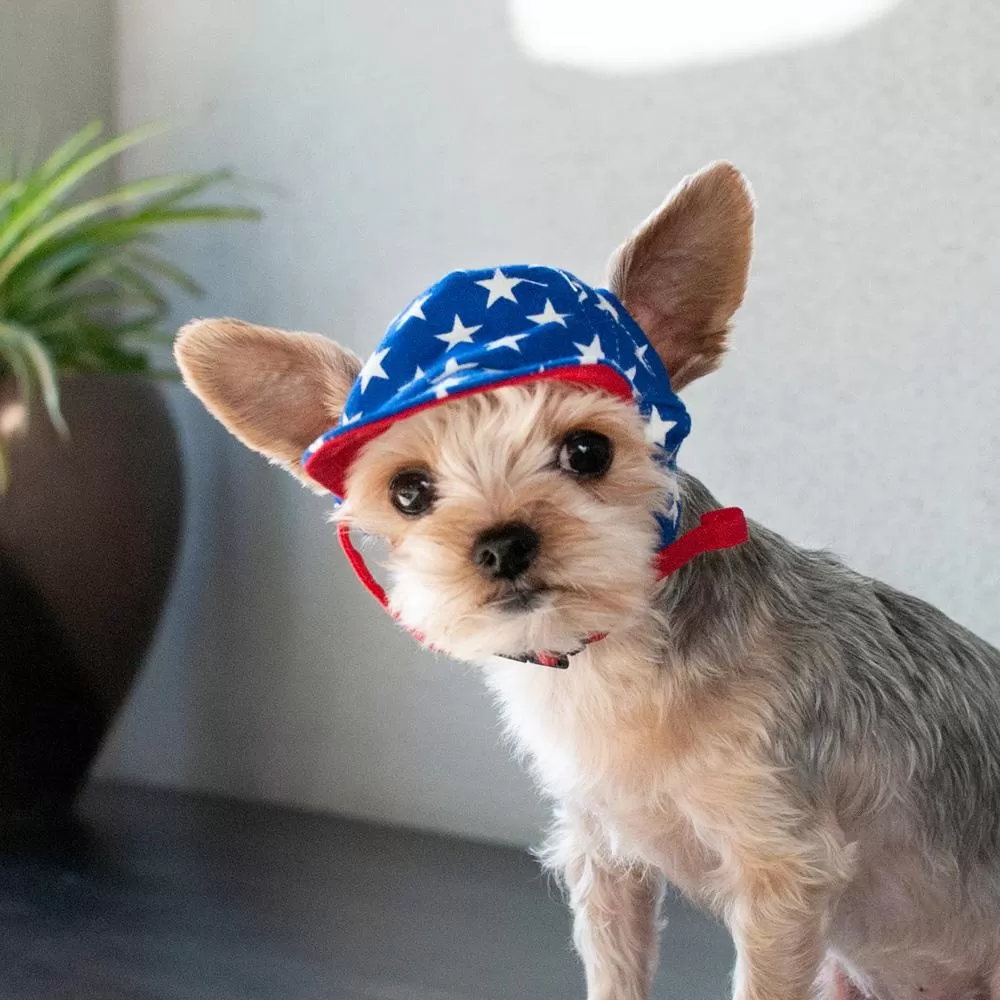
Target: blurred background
x,y
385,143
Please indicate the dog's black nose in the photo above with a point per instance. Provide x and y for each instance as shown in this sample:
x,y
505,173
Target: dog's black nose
x,y
506,551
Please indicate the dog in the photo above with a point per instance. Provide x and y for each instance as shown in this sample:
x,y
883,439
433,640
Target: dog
x,y
808,753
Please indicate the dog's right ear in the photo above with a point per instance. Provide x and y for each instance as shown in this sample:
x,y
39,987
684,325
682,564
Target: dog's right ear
x,y
275,391
683,272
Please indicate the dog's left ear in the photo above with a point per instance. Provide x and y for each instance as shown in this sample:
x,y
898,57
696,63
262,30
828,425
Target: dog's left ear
x,y
682,274
276,391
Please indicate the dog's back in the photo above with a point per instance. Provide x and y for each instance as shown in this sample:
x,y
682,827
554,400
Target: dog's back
x,y
890,725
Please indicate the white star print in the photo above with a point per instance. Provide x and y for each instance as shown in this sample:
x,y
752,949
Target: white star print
x,y
640,353
373,368
549,315
417,375
415,311
502,287
451,366
511,341
499,287
581,293
458,334
605,306
630,373
590,353
657,428
441,390
316,445
345,419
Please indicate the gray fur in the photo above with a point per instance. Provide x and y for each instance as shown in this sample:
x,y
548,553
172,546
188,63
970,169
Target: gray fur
x,y
895,708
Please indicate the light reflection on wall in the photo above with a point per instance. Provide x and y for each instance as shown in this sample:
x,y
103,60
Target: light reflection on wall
x,y
635,36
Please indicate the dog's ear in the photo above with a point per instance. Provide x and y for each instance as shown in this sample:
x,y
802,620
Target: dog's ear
x,y
275,391
683,272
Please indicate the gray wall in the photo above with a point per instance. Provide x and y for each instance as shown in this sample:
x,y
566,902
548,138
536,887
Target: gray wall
x,y
391,142
56,69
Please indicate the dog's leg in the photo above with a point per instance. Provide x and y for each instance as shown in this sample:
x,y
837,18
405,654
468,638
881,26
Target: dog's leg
x,y
779,951
615,914
779,915
615,928
782,870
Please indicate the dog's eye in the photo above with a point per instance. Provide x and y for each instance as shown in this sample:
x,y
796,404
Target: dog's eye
x,y
412,491
586,454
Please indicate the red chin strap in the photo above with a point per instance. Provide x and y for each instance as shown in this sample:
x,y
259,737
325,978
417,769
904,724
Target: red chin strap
x,y
718,529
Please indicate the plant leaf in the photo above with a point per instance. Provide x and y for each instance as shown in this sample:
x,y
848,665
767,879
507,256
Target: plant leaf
x,y
45,371
10,191
80,290
70,217
67,152
131,278
42,201
173,274
22,375
197,183
72,263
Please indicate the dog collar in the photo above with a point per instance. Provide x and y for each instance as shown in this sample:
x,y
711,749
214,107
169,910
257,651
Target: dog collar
x,y
718,529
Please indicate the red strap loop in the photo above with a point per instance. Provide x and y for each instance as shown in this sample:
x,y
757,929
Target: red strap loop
x,y
361,571
718,529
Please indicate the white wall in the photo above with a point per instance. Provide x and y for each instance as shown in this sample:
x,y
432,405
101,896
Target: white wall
x,y
395,141
55,70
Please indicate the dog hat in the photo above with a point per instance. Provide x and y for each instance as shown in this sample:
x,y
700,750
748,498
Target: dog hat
x,y
475,331
479,330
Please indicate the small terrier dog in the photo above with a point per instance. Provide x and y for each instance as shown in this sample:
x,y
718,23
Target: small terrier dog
x,y
807,752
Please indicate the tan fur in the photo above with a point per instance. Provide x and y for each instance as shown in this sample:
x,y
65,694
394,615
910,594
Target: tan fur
x,y
617,910
276,391
682,274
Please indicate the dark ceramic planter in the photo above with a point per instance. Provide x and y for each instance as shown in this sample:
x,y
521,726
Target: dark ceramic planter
x,y
88,534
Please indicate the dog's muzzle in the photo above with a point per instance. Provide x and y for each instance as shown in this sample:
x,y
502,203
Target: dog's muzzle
x,y
718,529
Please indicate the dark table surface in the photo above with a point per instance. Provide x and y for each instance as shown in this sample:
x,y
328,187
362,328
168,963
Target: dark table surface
x,y
163,896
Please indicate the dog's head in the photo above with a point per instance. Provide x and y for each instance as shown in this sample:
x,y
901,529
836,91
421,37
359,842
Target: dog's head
x,y
518,518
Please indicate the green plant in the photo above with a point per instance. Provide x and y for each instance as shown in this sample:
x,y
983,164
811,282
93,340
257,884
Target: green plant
x,y
81,287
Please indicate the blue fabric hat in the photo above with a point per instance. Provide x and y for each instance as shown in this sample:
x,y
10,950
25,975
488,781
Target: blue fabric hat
x,y
479,330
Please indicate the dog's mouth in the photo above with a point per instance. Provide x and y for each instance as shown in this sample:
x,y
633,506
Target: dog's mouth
x,y
521,599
